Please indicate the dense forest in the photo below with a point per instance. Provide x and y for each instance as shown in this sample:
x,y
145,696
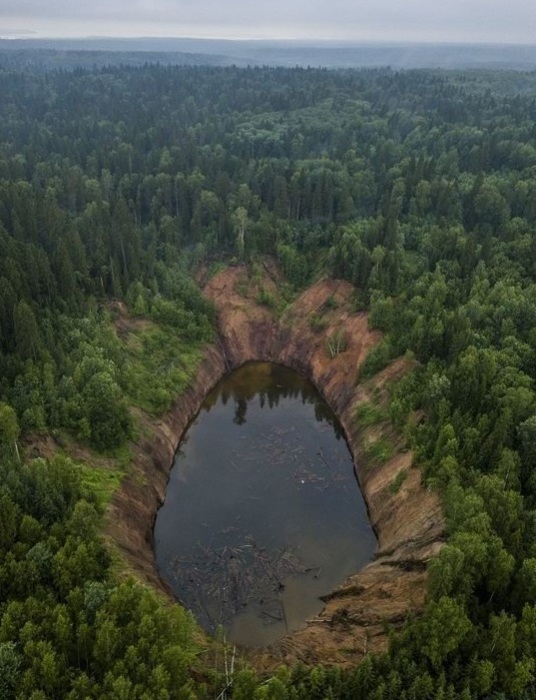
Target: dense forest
x,y
115,185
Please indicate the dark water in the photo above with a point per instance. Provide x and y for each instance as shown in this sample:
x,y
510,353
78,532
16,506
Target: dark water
x,y
263,513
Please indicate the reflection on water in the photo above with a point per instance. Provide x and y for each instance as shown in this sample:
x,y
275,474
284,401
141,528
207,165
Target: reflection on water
x,y
263,513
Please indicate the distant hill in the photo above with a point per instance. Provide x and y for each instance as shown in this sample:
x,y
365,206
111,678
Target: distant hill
x,y
51,58
100,51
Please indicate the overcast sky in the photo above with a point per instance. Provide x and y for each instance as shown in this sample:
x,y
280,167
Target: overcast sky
x,y
507,21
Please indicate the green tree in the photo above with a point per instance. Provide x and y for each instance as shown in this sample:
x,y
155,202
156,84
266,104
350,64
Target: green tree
x,y
27,337
9,428
442,630
106,412
240,222
10,669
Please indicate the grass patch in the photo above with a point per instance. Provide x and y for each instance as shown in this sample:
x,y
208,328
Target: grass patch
x,y
316,322
367,414
140,479
377,359
330,304
337,343
241,287
101,481
380,451
215,268
266,298
160,367
397,482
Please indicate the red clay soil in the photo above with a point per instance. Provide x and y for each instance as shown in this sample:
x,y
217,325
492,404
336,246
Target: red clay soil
x,y
407,521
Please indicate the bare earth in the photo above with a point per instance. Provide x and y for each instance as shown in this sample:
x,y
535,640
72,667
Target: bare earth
x,y
408,523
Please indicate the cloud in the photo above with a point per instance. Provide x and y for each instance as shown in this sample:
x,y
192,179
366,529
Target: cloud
x,y
457,20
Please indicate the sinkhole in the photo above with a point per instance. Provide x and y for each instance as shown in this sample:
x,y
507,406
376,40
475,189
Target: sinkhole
x,y
263,514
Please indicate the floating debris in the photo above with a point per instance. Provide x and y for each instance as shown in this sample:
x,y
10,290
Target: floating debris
x,y
227,579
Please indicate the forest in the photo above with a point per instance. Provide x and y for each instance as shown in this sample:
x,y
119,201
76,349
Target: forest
x,y
116,184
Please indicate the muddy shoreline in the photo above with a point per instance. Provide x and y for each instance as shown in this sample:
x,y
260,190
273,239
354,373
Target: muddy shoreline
x,y
408,522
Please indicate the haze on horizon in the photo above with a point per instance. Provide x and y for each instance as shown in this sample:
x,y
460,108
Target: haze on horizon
x,y
489,21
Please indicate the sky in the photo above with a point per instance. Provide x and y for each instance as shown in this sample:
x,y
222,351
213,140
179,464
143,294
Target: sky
x,y
502,21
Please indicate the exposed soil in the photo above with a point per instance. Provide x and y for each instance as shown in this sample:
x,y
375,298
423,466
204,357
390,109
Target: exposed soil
x,y
320,336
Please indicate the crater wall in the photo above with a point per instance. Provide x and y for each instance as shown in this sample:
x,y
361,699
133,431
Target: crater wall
x,y
320,336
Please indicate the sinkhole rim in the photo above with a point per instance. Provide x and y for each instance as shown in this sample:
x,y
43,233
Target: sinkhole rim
x,y
309,392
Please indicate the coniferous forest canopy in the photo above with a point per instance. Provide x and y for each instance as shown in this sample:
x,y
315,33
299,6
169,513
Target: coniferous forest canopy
x,y
115,185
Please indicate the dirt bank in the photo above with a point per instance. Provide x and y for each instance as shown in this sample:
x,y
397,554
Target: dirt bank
x,y
320,336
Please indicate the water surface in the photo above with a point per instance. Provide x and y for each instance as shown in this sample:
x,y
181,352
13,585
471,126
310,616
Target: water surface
x,y
263,513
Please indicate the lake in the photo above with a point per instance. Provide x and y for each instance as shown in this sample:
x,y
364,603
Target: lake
x,y
263,513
